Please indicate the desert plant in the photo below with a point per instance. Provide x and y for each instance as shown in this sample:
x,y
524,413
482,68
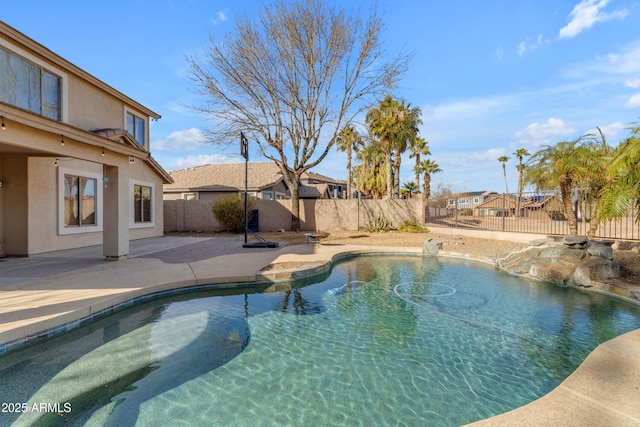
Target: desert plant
x,y
412,227
229,211
380,224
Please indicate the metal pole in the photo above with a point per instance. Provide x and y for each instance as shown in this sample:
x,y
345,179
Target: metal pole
x,y
246,216
244,151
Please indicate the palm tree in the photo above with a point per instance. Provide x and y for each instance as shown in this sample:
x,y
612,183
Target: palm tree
x,y
520,153
596,176
410,188
419,146
427,167
369,177
348,141
504,160
625,170
394,124
561,165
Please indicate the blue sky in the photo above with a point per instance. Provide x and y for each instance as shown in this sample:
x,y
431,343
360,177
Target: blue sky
x,y
490,77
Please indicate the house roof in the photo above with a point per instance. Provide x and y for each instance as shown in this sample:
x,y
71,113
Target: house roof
x,y
313,191
497,201
122,136
225,177
321,178
473,193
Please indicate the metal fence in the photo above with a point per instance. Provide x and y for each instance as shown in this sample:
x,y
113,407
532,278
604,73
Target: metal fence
x,y
539,212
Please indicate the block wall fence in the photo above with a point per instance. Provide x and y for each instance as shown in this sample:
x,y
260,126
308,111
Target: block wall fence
x,y
315,215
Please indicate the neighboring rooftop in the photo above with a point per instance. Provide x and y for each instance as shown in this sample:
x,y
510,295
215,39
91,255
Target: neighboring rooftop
x,y
225,176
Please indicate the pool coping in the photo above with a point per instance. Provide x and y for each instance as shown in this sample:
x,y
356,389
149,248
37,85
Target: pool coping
x,y
602,391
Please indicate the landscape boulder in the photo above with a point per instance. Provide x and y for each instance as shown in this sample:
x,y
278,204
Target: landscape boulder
x,y
576,261
431,247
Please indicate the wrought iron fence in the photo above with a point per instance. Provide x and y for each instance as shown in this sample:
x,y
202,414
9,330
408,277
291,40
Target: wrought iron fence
x,y
540,212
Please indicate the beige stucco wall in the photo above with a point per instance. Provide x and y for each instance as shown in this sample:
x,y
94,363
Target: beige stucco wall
x,y
44,205
14,195
43,212
2,206
90,108
30,203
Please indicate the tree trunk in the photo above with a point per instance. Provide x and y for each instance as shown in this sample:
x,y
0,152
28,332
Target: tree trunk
x,y
396,175
594,221
349,177
417,173
506,186
295,205
565,192
519,189
387,160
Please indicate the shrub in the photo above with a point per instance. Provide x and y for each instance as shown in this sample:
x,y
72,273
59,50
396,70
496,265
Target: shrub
x,y
412,227
229,211
380,224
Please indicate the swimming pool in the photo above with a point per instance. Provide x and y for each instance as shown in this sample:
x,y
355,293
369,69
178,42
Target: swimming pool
x,y
383,340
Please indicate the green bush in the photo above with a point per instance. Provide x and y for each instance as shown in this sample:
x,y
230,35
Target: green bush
x,y
412,227
380,224
229,211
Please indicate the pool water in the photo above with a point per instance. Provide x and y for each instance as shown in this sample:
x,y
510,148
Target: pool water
x,y
402,341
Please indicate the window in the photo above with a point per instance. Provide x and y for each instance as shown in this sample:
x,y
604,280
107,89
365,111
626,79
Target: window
x,y
26,85
135,126
190,196
142,206
267,196
79,201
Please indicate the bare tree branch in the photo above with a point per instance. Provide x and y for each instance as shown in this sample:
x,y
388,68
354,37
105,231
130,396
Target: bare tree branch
x,y
293,80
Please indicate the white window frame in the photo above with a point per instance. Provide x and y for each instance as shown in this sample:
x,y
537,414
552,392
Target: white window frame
x,y
144,119
64,78
132,223
62,230
195,196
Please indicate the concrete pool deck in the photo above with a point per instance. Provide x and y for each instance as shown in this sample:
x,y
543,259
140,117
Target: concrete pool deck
x,y
46,292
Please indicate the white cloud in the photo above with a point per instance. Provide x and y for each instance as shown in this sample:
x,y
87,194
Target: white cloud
x,y
538,134
221,16
180,141
587,13
499,53
529,45
203,159
634,83
634,101
613,132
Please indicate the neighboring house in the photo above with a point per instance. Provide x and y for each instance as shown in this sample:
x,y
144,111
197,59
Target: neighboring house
x,y
497,205
314,191
337,188
264,181
75,166
469,200
206,182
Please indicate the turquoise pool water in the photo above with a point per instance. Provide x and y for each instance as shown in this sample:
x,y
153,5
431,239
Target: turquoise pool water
x,y
402,341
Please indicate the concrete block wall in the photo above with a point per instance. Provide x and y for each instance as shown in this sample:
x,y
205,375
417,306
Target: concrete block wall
x,y
315,215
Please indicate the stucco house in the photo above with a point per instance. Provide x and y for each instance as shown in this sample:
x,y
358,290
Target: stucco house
x,y
264,181
469,200
75,165
337,188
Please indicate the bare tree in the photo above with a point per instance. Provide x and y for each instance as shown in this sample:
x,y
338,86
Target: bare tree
x,y
292,80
